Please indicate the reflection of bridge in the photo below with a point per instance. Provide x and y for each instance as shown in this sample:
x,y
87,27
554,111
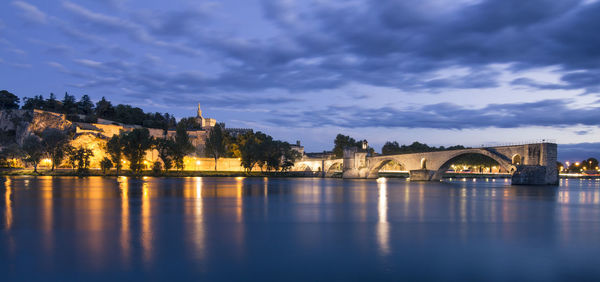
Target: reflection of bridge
x,y
528,164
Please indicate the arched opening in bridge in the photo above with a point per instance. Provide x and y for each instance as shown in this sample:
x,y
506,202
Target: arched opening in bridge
x,y
516,159
388,168
423,163
335,167
473,163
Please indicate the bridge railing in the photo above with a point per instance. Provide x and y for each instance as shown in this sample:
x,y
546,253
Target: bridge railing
x,y
535,141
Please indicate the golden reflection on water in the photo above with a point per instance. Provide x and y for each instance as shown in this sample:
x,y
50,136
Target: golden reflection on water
x,y
125,235
195,211
383,227
147,235
45,187
8,203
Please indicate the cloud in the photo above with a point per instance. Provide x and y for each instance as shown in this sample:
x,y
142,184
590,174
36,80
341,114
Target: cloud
x,y
579,151
550,113
30,12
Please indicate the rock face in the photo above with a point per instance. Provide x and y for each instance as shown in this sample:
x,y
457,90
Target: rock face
x,y
22,123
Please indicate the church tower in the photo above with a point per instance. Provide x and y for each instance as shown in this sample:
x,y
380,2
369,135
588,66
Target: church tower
x,y
199,111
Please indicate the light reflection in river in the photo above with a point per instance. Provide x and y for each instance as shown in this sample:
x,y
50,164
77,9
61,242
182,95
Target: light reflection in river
x,y
227,226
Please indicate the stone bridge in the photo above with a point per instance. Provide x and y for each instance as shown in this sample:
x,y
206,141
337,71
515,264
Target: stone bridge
x,y
529,164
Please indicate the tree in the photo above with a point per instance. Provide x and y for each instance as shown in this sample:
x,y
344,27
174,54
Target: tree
x,y
52,104
104,109
33,149
114,148
390,148
8,101
55,142
183,147
37,102
166,150
85,105
343,141
136,143
105,164
216,145
590,164
69,104
80,158
12,152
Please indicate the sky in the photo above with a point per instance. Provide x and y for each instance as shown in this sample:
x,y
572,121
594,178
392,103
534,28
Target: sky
x,y
442,72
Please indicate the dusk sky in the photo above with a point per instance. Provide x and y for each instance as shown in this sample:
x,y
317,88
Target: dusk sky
x,y
443,72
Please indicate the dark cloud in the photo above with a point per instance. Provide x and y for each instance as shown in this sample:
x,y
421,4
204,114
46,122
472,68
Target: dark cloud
x,y
551,113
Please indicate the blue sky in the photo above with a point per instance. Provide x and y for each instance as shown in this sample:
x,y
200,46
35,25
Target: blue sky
x,y
442,72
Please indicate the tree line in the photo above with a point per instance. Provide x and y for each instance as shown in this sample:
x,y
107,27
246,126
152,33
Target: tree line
x,y
84,110
253,149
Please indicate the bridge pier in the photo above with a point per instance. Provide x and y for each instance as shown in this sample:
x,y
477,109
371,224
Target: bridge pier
x,y
421,175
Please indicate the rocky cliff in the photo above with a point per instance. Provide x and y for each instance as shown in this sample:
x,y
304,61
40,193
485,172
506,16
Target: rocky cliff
x,y
16,125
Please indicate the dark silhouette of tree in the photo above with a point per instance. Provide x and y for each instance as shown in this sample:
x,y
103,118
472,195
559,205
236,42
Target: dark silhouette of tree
x,y
8,101
34,151
390,148
104,109
80,158
85,105
55,142
166,150
216,146
183,147
114,148
105,164
136,143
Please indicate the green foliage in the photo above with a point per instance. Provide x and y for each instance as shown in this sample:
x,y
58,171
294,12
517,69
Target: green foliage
x,y
135,145
105,164
157,168
391,148
55,142
8,101
343,141
80,158
166,151
33,151
183,147
102,109
260,149
190,123
216,146
114,148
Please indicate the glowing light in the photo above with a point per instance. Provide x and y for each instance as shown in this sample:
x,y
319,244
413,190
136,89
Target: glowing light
x,y
381,180
240,178
198,162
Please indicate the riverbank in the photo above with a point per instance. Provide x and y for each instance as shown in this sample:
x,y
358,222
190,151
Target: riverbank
x,y
62,172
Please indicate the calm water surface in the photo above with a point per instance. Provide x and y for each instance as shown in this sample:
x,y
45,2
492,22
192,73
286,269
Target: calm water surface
x,y
296,229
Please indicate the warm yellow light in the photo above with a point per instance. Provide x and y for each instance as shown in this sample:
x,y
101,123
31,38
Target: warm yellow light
x,y
381,180
198,162
239,178
577,164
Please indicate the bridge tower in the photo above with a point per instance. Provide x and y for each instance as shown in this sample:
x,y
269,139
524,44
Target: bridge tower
x,y
355,163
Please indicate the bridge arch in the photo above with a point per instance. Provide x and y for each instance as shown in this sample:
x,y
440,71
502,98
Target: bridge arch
x,y
517,159
504,163
333,167
374,171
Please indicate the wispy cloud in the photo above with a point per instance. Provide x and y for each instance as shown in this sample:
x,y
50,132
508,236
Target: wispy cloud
x,y
30,12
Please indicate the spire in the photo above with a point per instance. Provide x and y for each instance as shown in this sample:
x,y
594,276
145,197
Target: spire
x,y
199,111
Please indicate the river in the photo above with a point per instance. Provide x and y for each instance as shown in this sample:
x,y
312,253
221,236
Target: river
x,y
306,229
